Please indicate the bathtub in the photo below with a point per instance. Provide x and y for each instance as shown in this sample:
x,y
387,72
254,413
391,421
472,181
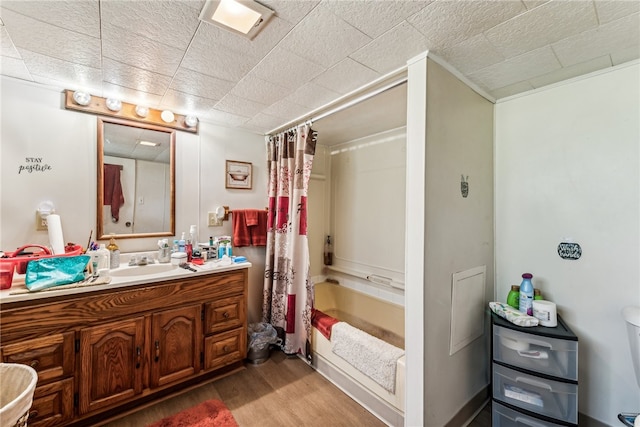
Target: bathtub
x,y
382,319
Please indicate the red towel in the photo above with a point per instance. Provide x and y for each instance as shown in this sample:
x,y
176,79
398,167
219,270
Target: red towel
x,y
113,189
323,322
241,236
245,234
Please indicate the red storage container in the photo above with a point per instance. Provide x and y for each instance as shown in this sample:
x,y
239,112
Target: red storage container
x,y
18,260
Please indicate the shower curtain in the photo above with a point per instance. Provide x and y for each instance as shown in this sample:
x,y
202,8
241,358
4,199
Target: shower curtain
x,y
288,290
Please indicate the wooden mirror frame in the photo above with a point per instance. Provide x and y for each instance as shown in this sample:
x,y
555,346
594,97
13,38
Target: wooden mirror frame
x,y
100,179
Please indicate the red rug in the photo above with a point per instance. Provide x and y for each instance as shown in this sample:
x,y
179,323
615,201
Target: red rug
x,y
207,414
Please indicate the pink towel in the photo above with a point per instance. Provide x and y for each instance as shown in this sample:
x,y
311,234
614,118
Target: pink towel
x,y
113,190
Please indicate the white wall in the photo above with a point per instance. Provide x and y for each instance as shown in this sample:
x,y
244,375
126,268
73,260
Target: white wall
x,y
34,124
567,166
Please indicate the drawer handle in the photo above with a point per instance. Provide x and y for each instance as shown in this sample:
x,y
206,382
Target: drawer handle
x,y
534,383
32,414
225,315
157,344
34,364
528,422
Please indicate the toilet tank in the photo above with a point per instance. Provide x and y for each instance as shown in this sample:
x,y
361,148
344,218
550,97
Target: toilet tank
x,y
631,315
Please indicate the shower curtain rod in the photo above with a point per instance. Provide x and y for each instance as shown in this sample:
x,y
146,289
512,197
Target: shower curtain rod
x,y
341,107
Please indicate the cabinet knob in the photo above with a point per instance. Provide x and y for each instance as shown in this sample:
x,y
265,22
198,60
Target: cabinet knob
x,y
33,414
225,348
34,364
225,315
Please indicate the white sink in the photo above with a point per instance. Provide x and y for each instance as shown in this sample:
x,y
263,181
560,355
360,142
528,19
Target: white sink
x,y
142,270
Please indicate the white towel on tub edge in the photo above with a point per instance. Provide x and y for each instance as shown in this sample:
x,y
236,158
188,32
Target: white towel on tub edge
x,y
372,356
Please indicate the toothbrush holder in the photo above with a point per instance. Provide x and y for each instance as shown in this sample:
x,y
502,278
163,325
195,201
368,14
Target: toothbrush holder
x,y
164,255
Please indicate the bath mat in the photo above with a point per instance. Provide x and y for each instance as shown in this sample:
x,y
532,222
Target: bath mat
x,y
208,413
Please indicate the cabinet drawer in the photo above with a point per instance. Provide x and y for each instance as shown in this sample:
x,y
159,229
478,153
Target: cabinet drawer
x,y
502,416
225,348
52,404
51,356
545,355
554,399
223,314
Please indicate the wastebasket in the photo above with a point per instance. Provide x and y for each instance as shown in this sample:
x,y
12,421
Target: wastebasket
x,y
16,394
261,337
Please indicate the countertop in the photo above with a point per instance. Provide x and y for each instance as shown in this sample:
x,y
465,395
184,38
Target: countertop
x,y
18,291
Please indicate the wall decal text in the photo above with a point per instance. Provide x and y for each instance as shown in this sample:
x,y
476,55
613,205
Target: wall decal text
x,y
33,164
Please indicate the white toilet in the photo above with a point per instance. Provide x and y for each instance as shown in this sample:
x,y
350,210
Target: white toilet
x,y
631,315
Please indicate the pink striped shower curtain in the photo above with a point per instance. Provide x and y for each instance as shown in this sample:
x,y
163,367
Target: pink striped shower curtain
x,y
288,290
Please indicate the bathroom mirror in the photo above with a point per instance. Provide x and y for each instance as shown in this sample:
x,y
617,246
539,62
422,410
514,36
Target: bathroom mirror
x,y
136,179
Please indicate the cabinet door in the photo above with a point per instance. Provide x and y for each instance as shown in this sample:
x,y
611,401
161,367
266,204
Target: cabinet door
x,y
176,341
51,356
52,404
111,363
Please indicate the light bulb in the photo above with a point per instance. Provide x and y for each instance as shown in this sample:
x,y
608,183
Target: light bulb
x,y
191,121
114,104
167,116
81,98
142,111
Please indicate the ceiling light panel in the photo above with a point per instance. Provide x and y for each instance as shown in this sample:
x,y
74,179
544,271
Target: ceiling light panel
x,y
239,16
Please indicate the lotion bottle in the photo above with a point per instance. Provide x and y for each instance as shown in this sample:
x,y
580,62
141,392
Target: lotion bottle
x,y
103,257
114,253
526,295
182,244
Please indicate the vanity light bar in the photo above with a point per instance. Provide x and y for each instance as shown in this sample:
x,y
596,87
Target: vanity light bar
x,y
98,105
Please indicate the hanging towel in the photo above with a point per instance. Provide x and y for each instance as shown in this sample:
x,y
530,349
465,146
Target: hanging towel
x,y
249,227
241,236
323,322
113,190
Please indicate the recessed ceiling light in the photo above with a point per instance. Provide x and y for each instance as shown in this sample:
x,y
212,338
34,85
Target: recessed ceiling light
x,y
243,17
149,144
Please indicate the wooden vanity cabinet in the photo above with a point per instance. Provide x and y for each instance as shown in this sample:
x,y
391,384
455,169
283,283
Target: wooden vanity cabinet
x,y
53,358
104,352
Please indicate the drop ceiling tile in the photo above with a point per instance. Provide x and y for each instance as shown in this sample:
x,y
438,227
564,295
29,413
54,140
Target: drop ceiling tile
x,y
610,10
517,69
47,39
472,54
291,11
571,71
186,104
286,69
287,110
139,51
255,89
77,16
447,23
225,118
613,36
14,67
513,89
171,23
131,96
625,55
126,75
263,123
323,38
239,106
209,34
374,17
312,96
7,49
346,76
392,49
63,71
541,26
199,84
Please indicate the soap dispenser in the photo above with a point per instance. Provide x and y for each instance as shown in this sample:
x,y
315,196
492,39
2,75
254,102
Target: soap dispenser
x,y
114,253
103,257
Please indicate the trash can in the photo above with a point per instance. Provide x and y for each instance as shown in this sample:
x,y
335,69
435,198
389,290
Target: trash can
x,y
16,395
261,337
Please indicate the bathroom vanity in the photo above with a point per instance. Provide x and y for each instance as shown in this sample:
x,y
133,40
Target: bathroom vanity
x,y
102,351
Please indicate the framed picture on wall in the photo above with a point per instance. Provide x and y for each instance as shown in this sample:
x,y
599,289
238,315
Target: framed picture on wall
x,y
238,175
